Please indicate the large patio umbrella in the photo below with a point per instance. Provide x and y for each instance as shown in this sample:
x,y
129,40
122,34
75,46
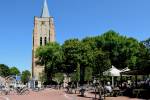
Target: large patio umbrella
x,y
112,72
125,69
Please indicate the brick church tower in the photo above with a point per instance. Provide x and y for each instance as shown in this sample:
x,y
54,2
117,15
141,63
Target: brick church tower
x,y
43,33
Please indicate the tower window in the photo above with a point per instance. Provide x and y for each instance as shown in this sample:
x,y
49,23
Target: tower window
x,y
42,23
40,41
45,40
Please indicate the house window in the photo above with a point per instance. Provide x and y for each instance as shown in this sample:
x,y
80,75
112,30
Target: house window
x,y
40,41
45,40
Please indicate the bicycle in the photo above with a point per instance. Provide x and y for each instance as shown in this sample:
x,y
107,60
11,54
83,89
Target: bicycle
x,y
5,91
22,91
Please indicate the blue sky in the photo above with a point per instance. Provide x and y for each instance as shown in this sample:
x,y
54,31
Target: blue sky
x,y
73,19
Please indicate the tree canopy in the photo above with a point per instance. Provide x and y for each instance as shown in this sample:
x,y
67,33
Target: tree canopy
x,y
14,71
90,56
49,56
25,76
4,70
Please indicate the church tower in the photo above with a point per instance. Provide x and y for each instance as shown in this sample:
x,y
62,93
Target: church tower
x,y
43,33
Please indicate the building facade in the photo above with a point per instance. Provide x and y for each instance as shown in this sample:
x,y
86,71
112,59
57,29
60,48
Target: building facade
x,y
43,32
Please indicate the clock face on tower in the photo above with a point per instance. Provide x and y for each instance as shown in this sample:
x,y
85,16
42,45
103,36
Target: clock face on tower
x,y
43,28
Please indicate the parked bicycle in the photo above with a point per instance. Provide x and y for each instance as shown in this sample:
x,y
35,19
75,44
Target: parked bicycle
x,y
5,90
22,90
18,90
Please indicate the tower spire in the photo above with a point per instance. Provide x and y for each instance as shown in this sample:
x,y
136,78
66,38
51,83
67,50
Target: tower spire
x,y
45,11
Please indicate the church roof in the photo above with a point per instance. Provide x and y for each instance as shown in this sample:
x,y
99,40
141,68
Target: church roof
x,y
45,11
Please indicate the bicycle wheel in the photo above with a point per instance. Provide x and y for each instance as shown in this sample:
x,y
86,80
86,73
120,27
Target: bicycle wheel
x,y
4,92
1,92
25,92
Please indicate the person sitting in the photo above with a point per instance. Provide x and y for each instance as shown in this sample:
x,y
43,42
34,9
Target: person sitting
x,y
108,87
124,86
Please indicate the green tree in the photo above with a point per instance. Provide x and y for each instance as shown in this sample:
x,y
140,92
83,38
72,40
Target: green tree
x,y
93,55
109,49
42,77
4,70
25,77
143,58
77,54
88,74
97,59
147,43
75,76
71,55
58,77
101,62
14,71
122,51
49,56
